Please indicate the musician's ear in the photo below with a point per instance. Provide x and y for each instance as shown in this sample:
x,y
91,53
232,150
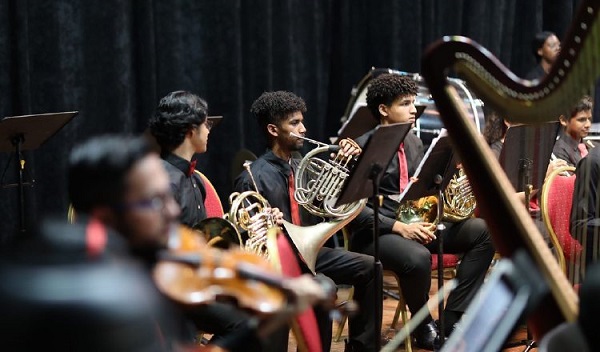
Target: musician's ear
x,y
563,120
383,110
272,130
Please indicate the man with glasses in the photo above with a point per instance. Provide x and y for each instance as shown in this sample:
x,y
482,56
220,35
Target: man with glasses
x,y
120,183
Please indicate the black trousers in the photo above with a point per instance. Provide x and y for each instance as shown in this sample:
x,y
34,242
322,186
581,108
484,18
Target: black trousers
x,y
231,329
411,261
344,267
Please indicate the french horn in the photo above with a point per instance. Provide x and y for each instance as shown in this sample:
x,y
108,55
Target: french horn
x,y
318,184
459,204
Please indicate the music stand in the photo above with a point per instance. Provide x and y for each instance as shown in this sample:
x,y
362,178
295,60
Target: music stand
x,y
28,132
363,182
361,121
431,179
526,153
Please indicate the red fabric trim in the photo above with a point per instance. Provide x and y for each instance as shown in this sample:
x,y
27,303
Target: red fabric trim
x,y
307,321
95,238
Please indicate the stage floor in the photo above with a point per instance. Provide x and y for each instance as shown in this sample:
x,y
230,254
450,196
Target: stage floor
x,y
389,306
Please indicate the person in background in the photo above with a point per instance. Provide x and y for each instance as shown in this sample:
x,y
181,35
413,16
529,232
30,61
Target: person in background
x,y
495,131
545,47
570,145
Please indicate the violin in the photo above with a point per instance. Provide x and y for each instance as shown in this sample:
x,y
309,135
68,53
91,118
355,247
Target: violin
x,y
193,273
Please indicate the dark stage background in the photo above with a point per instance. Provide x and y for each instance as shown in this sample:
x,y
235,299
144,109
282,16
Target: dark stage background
x,y
112,61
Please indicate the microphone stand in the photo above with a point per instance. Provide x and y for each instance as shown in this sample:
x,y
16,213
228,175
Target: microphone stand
x,y
17,141
437,180
375,176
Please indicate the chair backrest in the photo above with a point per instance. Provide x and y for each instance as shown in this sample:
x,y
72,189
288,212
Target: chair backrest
x,y
557,194
283,257
214,207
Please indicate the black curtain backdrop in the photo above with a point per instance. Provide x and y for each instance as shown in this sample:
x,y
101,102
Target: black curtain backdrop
x,y
112,60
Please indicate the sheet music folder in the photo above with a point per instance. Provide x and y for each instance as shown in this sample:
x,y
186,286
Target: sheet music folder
x,y
527,149
438,160
378,151
36,129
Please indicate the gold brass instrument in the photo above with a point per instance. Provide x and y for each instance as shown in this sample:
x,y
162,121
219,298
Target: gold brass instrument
x,y
459,200
419,210
459,204
241,215
219,232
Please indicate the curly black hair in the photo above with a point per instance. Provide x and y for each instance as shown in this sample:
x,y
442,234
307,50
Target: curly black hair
x,y
274,107
386,88
175,115
495,128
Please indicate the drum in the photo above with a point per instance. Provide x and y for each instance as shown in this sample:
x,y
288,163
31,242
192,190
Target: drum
x,y
357,118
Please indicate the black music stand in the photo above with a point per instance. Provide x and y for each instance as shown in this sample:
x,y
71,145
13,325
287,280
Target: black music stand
x,y
28,132
363,182
362,121
525,155
431,179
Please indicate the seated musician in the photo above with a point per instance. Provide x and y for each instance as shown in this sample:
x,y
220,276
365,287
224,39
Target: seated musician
x,y
279,114
570,145
406,249
120,182
494,134
585,216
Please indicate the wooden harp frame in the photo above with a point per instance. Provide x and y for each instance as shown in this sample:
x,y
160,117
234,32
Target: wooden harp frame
x,y
511,227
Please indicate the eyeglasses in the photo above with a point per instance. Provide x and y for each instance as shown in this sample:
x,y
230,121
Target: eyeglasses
x,y
156,203
209,124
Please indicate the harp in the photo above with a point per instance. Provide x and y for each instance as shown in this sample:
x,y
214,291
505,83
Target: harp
x,y
521,101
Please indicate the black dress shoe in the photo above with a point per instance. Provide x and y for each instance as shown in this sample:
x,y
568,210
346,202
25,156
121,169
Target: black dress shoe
x,y
352,346
449,329
438,343
425,336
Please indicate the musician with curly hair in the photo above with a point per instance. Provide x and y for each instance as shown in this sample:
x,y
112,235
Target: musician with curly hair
x,y
406,249
279,114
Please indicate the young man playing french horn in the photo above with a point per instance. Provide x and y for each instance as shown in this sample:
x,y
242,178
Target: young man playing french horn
x,y
406,249
279,114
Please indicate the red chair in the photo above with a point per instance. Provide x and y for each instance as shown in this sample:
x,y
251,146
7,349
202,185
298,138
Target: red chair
x,y
212,203
557,193
283,257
